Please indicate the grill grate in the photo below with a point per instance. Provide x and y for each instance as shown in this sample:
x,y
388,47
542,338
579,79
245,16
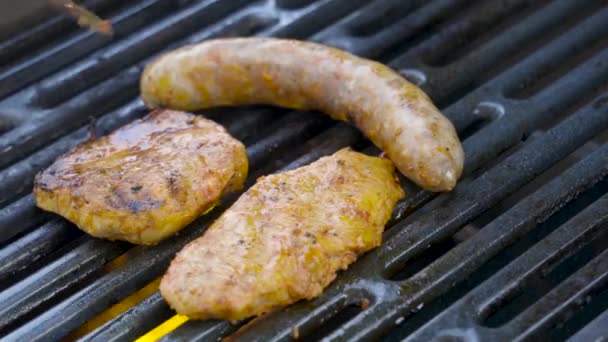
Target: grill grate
x,y
523,81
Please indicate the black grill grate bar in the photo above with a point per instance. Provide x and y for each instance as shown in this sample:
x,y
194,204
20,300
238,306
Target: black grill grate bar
x,y
39,35
52,281
326,143
138,46
453,30
576,40
295,126
20,216
495,184
480,302
594,331
465,204
378,15
193,331
372,45
558,49
442,80
415,237
21,255
570,294
33,68
134,322
315,18
523,117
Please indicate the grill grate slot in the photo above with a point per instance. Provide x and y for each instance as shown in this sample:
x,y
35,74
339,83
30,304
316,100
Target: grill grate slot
x,y
68,51
472,31
133,48
379,15
41,36
458,51
598,327
567,259
341,317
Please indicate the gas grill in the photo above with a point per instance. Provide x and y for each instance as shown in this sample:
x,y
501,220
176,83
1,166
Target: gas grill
x,y
519,250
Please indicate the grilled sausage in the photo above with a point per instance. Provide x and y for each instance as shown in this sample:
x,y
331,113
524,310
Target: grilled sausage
x,y
394,114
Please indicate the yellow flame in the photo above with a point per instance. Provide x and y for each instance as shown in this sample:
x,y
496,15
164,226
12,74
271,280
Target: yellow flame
x,y
163,329
115,310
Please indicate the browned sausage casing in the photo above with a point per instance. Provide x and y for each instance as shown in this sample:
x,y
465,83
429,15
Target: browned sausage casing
x,y
394,114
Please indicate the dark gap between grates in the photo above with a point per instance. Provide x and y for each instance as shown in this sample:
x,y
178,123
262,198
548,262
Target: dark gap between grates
x,y
294,4
81,280
341,317
49,32
5,125
69,51
554,222
535,288
422,260
36,249
594,305
485,114
431,28
532,34
581,101
142,44
483,31
435,251
380,15
426,311
535,184
557,116
536,81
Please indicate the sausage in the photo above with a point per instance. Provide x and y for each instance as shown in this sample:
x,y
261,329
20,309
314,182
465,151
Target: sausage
x,y
394,114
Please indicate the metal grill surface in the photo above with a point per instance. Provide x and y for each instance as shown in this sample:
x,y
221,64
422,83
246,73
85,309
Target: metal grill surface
x,y
518,251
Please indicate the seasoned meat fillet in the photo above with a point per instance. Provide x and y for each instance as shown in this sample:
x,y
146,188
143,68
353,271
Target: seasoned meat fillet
x,y
285,238
145,181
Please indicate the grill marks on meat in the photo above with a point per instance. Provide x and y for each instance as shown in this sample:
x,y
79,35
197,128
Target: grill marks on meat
x,y
145,181
285,238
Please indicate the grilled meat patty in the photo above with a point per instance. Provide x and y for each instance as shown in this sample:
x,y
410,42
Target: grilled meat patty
x,y
145,181
285,238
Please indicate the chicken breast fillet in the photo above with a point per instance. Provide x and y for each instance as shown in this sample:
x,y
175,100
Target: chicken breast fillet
x,y
285,238
145,181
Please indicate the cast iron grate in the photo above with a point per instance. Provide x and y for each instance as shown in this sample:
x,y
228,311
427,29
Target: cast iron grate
x,y
517,251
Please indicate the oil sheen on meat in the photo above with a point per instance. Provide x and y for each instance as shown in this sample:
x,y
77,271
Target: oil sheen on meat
x,y
285,238
393,113
145,181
